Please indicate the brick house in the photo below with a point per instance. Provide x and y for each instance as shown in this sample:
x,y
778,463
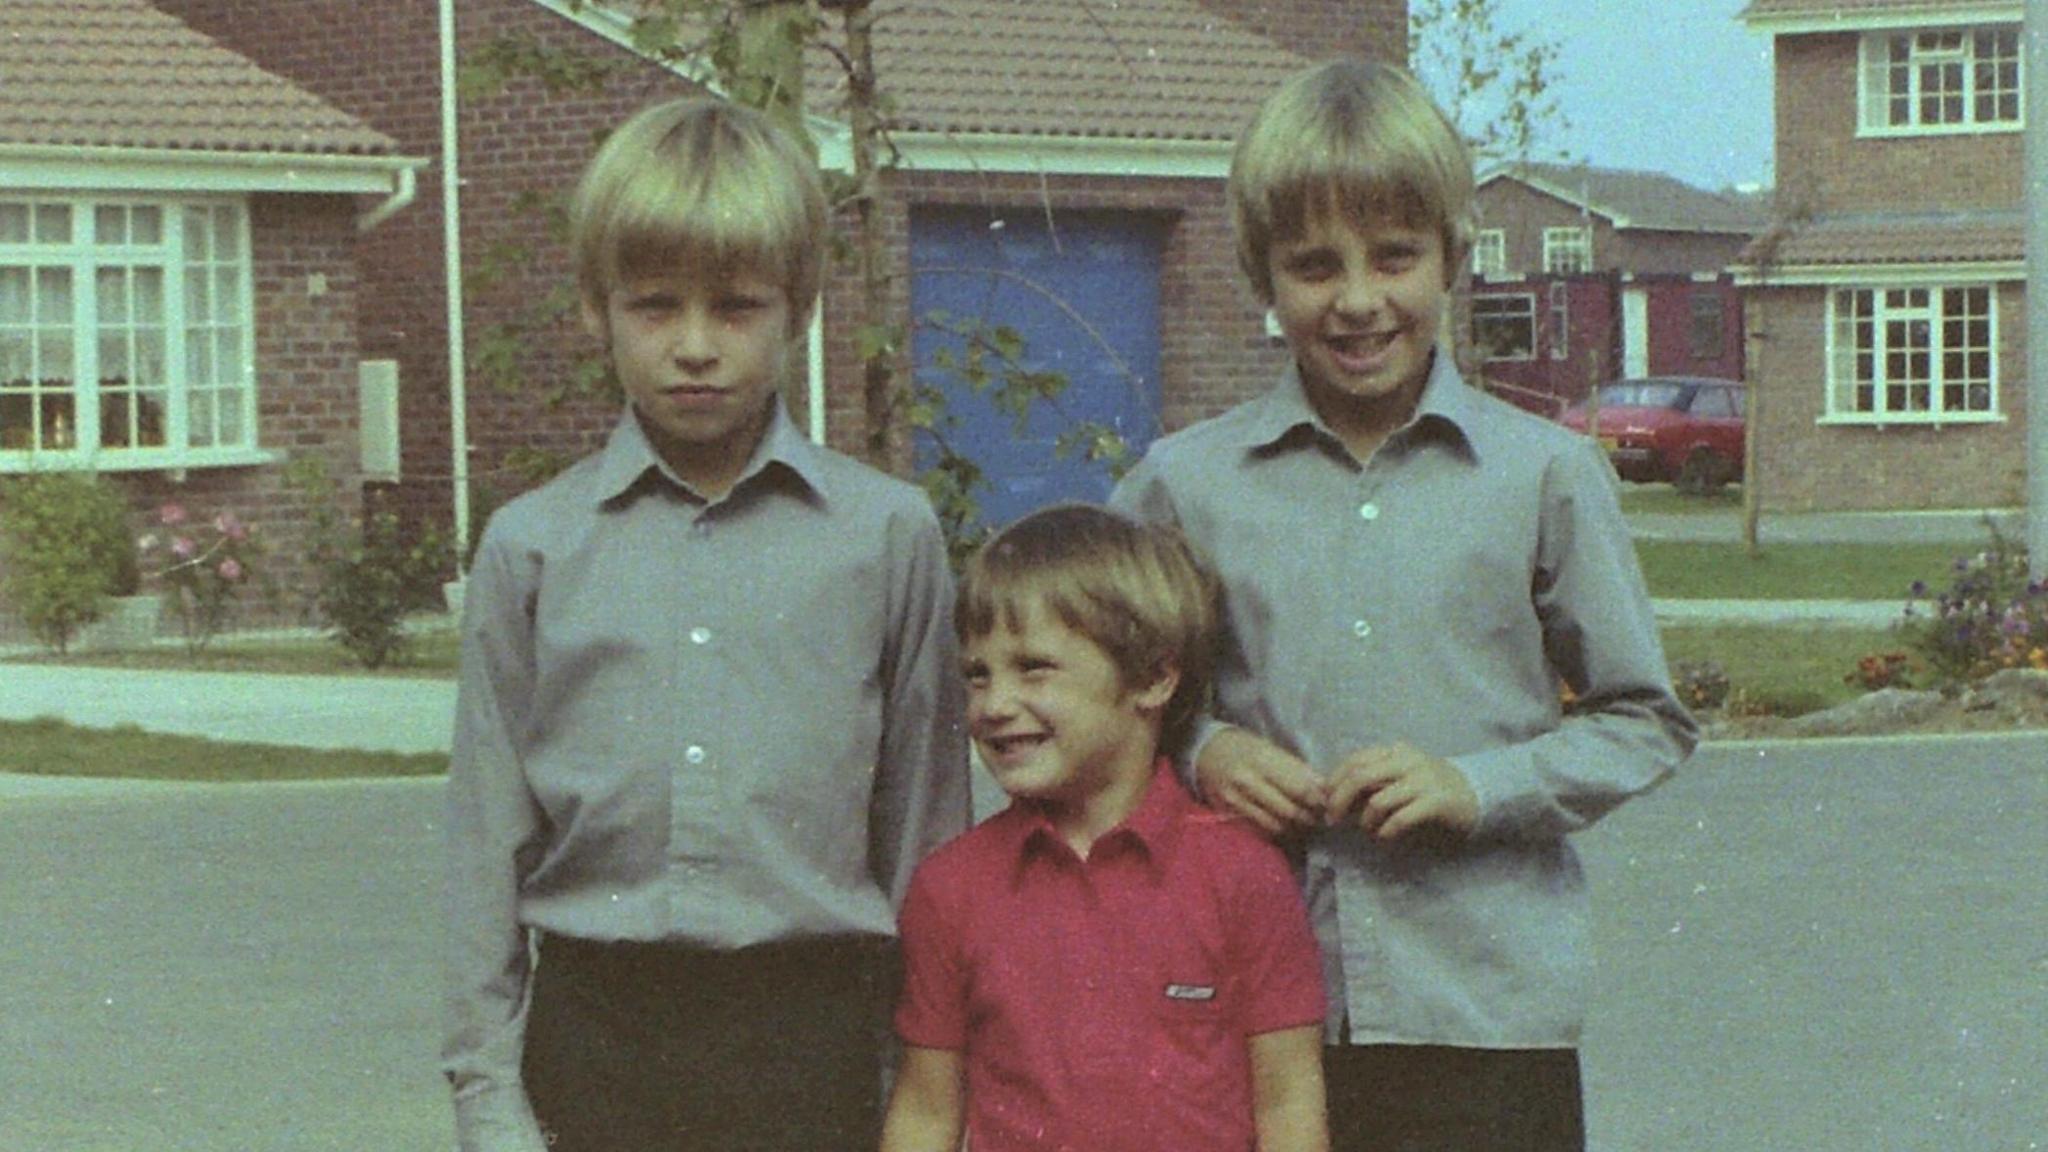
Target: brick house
x,y
179,285
1038,150
1584,274
1888,301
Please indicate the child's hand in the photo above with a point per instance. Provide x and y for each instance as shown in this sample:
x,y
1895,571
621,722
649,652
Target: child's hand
x,y
1393,790
1251,777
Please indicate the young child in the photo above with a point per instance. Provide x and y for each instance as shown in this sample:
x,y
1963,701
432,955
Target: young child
x,y
708,720
1104,966
1411,571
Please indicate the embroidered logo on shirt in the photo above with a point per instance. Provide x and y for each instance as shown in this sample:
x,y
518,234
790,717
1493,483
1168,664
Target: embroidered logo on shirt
x,y
1190,992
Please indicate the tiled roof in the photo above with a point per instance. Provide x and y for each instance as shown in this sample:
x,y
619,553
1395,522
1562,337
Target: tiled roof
x,y
1848,11
121,74
1134,69
1951,238
1637,199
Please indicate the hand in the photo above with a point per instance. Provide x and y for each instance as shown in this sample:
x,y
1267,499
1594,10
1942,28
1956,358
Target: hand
x,y
1252,777
1394,790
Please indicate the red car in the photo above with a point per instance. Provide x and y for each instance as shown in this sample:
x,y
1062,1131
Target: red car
x,y
1683,429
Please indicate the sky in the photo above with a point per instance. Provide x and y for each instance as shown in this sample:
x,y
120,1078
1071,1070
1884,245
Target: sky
x,y
1675,86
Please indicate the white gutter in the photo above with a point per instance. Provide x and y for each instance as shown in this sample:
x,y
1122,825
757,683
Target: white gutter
x,y
408,187
451,250
44,166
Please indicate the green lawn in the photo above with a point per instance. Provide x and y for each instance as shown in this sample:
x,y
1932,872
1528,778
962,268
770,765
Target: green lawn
x,y
1689,570
1786,669
431,653
1665,500
54,748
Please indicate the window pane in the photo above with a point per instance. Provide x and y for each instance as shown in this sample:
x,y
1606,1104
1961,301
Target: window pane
x,y
198,299
146,225
110,225
14,296
227,239
200,419
53,224
13,223
227,296
198,236
112,286
53,296
229,411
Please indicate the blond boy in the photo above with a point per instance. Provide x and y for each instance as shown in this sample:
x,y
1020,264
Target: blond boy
x,y
707,722
1412,571
1104,966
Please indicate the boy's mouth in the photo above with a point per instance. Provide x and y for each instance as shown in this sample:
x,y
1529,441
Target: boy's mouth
x,y
1012,746
1361,352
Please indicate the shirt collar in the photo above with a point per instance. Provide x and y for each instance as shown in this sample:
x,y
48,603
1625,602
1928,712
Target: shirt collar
x,y
628,456
1153,828
1284,418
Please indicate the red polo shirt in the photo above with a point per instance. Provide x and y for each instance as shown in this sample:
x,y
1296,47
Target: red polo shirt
x,y
1106,1004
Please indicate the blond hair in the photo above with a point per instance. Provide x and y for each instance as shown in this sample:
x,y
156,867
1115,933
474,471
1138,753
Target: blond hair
x,y
1358,139
701,186
1138,592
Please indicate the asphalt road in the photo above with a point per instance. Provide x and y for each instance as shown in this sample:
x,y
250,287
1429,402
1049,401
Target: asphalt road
x,y
1827,947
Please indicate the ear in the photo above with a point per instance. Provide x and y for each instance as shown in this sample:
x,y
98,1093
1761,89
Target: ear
x,y
595,322
1154,695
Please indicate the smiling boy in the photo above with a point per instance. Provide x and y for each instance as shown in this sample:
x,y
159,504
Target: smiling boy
x,y
1412,571
707,723
1104,966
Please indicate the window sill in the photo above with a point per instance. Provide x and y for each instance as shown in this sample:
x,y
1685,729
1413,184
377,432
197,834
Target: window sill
x,y
177,463
1908,420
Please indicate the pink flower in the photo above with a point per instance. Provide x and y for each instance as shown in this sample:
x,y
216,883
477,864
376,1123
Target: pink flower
x,y
181,547
171,514
228,526
230,570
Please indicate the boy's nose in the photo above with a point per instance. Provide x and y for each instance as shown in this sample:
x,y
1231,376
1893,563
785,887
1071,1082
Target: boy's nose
x,y
1360,293
692,340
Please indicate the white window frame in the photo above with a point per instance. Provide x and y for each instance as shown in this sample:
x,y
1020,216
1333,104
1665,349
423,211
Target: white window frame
x,y
1521,308
1926,49
1490,254
1567,251
1898,354
221,343
1560,327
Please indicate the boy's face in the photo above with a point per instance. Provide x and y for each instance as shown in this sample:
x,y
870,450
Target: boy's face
x,y
1359,309
1052,717
700,363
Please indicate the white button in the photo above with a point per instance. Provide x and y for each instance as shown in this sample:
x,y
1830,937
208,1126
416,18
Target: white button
x,y
1368,511
1361,629
694,754
700,635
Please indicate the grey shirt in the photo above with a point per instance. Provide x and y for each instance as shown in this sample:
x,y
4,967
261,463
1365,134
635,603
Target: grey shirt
x,y
1437,594
718,723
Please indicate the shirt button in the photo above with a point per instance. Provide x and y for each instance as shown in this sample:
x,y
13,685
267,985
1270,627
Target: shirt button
x,y
1361,629
694,754
1368,511
700,635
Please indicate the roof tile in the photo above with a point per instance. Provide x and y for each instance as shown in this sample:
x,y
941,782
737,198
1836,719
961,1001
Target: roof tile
x,y
121,74
1955,238
1132,69
1639,199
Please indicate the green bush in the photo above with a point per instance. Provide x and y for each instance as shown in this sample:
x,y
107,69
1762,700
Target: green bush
x,y
367,574
67,547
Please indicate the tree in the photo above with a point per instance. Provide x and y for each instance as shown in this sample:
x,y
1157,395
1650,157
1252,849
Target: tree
x,y
1495,84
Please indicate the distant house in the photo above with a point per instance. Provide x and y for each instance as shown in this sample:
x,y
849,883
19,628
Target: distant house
x,y
1063,175
178,275
1889,296
1583,274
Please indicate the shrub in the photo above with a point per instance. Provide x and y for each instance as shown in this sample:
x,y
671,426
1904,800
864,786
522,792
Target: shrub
x,y
1989,618
205,565
367,575
67,547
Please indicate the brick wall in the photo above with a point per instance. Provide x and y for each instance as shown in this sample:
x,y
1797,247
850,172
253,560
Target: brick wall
x,y
1824,166
1522,213
1806,466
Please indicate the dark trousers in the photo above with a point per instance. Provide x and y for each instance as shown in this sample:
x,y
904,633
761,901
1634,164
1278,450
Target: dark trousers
x,y
652,1048
1398,1098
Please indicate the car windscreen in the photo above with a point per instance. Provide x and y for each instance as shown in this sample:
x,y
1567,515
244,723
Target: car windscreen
x,y
1640,394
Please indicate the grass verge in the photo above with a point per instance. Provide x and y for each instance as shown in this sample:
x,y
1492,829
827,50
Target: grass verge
x,y
1691,570
431,654
1665,500
1787,670
47,747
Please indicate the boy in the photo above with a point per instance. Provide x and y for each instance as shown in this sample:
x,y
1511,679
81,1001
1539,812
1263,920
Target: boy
x,y
1410,570
1104,966
707,722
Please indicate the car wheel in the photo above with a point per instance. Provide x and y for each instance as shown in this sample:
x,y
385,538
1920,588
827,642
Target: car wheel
x,y
1702,473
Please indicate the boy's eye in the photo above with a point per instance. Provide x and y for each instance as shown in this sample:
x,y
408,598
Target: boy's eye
x,y
740,305
652,303
1395,258
976,675
1311,266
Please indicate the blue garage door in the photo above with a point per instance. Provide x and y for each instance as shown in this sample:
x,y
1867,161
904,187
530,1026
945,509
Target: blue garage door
x,y
1083,292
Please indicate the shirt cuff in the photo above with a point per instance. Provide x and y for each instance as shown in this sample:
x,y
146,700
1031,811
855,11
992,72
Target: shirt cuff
x,y
497,1120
